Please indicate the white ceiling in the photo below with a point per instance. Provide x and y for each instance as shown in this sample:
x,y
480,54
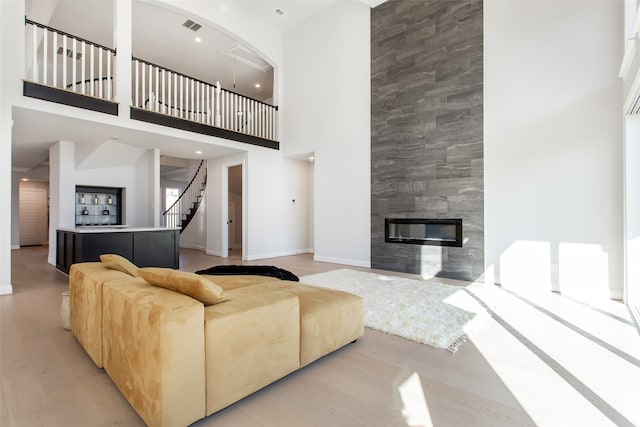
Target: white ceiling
x,y
158,37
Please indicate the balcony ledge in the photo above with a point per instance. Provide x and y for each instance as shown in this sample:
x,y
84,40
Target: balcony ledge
x,y
191,126
87,102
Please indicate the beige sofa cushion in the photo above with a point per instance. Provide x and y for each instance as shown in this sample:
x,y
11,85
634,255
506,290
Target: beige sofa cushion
x,y
120,263
329,319
229,282
189,284
154,351
250,342
85,304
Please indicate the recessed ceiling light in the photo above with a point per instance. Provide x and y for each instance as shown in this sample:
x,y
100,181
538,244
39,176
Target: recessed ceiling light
x,y
198,152
257,85
198,40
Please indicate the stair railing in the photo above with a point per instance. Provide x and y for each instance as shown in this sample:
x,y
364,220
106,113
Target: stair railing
x,y
182,211
58,59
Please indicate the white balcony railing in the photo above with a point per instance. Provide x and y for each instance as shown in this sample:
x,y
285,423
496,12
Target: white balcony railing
x,y
164,91
57,59
66,62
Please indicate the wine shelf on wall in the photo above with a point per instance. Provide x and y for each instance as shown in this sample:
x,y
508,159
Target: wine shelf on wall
x,y
98,206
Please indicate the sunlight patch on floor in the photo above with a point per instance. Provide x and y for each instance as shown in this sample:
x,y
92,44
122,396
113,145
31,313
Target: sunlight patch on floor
x,y
532,367
415,409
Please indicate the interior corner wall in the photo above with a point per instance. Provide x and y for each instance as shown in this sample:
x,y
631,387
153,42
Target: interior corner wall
x,y
553,145
427,131
326,111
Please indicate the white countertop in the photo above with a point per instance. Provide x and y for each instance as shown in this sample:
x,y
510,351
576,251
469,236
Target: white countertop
x,y
114,229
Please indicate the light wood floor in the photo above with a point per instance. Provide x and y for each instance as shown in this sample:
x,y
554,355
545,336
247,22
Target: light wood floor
x,y
542,360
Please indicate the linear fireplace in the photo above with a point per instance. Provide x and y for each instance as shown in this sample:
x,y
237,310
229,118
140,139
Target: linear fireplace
x,y
436,232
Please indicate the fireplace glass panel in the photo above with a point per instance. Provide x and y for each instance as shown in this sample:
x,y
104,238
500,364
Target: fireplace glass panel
x,y
439,232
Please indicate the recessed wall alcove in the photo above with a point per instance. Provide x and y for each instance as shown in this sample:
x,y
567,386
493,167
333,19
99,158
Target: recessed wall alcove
x,y
427,131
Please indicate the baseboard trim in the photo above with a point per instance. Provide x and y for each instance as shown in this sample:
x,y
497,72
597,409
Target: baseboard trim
x,y
277,254
616,294
193,246
14,247
6,290
353,262
214,253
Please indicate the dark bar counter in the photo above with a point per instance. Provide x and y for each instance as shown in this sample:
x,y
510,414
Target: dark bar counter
x,y
144,246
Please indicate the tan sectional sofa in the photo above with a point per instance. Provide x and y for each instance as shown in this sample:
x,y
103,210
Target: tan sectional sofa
x,y
177,359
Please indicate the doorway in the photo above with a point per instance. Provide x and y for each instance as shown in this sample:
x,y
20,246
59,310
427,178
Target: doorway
x,y
235,211
33,206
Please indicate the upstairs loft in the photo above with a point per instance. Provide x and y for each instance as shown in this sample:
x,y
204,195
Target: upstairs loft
x,y
70,70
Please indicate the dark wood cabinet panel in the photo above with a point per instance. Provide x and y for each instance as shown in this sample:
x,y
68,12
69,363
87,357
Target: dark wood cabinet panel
x,y
145,248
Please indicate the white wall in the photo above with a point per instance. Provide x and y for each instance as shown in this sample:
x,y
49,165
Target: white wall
x,y
326,99
273,224
11,66
553,138
277,207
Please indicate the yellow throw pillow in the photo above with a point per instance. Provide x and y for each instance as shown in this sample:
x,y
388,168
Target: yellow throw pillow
x,y
189,284
117,262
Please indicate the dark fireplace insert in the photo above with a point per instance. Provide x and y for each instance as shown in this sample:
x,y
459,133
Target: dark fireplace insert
x,y
421,231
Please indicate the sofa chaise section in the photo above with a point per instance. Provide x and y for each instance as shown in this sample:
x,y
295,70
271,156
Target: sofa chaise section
x,y
85,304
154,351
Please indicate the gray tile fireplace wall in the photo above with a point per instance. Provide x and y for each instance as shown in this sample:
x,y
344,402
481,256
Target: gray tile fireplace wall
x,y
426,131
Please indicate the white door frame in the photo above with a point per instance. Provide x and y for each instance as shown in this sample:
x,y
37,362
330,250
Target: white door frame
x,y
225,208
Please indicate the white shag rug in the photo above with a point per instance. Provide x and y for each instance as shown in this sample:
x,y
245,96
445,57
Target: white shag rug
x,y
431,313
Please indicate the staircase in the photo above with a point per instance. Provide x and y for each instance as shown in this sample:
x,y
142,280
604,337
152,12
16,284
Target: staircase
x,y
184,209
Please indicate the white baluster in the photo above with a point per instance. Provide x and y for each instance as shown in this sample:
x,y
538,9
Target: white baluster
x,y
192,116
136,83
157,93
199,101
207,100
169,88
164,99
143,86
34,61
175,95
151,105
234,108
64,61
92,71
109,76
181,94
100,91
54,54
217,112
45,55
83,58
74,71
